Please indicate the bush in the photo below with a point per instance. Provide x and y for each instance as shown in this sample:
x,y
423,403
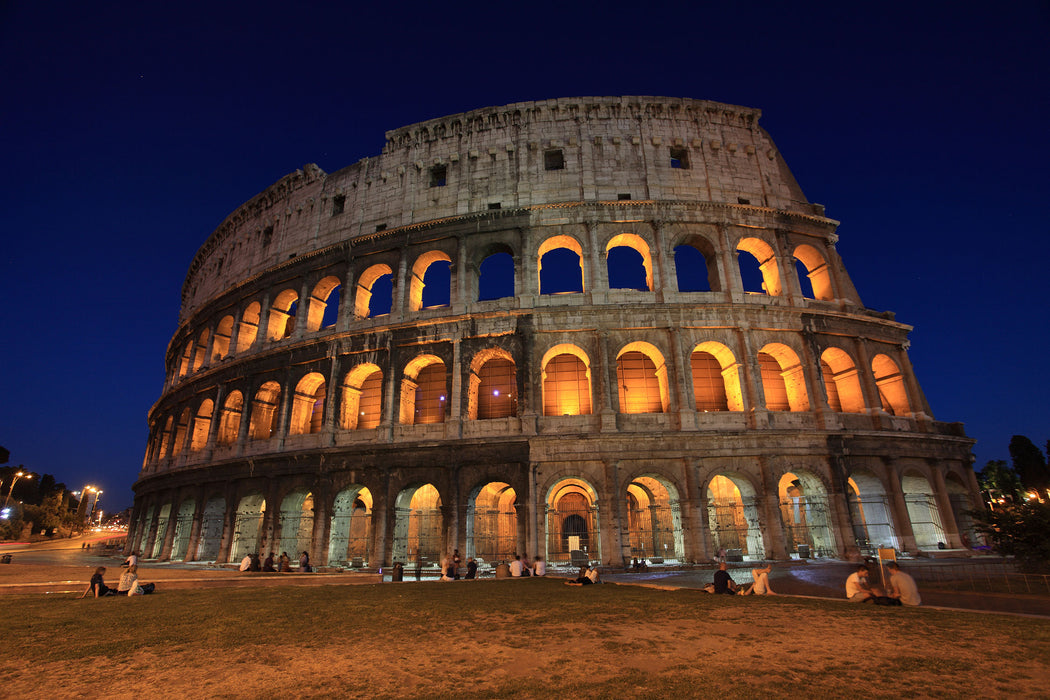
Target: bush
x,y
1020,530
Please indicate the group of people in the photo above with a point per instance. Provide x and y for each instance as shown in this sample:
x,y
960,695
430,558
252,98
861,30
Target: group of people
x,y
519,566
901,588
128,585
588,575
273,563
723,583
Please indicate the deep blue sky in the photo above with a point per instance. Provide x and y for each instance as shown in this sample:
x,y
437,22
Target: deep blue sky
x,y
128,131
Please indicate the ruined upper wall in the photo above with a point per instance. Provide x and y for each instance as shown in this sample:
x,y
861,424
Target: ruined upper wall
x,y
610,148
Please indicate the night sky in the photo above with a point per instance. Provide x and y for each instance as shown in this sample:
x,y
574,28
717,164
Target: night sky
x,y
129,131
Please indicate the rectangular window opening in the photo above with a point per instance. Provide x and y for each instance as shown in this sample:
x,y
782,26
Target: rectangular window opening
x,y
554,159
679,158
495,205
741,200
380,227
623,197
438,175
338,202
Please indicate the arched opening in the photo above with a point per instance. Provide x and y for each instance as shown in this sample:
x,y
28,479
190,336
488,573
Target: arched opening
x,y
716,378
144,530
351,532
375,292
282,315
220,347
247,526
572,523
841,382
183,526
210,537
165,439
230,419
162,526
296,523
492,523
890,382
870,513
362,400
431,281
201,426
323,311
496,278
923,513
493,391
629,263
641,378
560,266
758,269
308,405
424,391
566,381
654,520
249,326
733,516
783,382
201,354
813,275
181,432
418,526
264,418
805,513
186,360
695,266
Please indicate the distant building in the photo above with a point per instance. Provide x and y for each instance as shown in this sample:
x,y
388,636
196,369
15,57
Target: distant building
x,y
676,362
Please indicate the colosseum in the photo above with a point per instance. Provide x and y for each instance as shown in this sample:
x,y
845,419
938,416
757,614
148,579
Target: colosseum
x,y
591,329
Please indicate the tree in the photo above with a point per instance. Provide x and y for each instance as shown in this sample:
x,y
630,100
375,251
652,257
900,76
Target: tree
x,y
1021,530
1030,464
997,475
4,455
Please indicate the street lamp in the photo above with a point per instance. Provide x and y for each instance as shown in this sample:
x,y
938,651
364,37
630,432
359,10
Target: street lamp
x,y
98,493
13,482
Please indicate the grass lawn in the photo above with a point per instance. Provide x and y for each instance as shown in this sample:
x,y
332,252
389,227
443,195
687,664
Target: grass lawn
x,y
528,638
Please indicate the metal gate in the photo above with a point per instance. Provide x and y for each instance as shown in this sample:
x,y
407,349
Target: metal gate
x,y
350,536
806,526
655,532
872,524
495,535
734,525
925,520
573,530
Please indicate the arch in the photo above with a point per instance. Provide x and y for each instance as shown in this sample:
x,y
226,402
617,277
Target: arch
x,y
566,381
282,315
424,391
492,523
165,438
181,433
265,416
733,516
560,268
183,527
325,292
496,275
816,272
841,381
296,523
350,537
362,398
418,525
716,378
641,378
201,426
630,241
186,359
201,353
923,512
249,326
163,518
870,512
210,537
420,270
696,265
493,390
364,305
890,382
247,526
783,381
230,419
308,405
806,515
766,259
220,348
654,520
572,522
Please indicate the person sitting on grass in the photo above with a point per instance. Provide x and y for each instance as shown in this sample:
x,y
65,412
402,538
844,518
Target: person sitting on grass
x,y
760,582
129,583
857,588
902,586
724,583
98,587
246,563
268,564
587,577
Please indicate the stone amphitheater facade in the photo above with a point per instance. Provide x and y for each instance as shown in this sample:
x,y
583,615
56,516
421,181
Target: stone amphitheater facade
x,y
436,348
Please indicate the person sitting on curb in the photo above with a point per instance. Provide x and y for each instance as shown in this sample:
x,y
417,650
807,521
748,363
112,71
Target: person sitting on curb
x,y
902,586
515,567
539,568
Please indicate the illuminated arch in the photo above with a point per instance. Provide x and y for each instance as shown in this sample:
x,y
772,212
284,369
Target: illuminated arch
x,y
264,416
362,397
767,263
498,264
890,382
566,381
733,514
713,392
295,522
320,297
493,390
230,419
165,438
806,514
783,381
424,391
572,521
841,381
282,315
492,522
817,271
636,243
247,526
202,350
308,405
561,242
220,348
365,282
419,270
181,432
870,511
186,359
201,426
249,326
923,512
418,525
688,269
654,520
641,378
351,527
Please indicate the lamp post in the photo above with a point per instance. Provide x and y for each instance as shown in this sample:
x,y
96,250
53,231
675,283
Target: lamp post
x,y
13,482
98,493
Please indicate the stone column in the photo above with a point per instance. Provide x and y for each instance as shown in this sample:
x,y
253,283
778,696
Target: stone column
x,y
944,506
773,532
899,508
618,524
605,370
195,527
322,525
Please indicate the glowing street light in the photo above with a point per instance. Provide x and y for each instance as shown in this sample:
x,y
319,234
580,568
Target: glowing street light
x,y
13,482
